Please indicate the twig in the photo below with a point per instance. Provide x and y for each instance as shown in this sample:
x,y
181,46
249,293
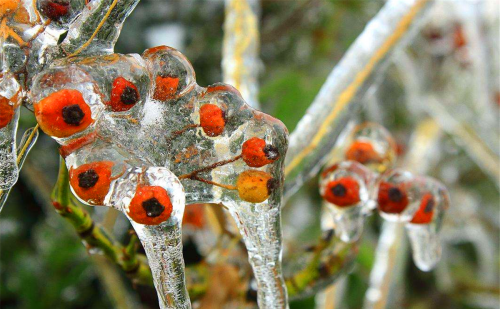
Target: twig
x,y
318,130
390,244
240,63
94,236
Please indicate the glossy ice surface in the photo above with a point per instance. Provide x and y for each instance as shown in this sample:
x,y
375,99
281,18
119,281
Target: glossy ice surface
x,y
346,190
138,134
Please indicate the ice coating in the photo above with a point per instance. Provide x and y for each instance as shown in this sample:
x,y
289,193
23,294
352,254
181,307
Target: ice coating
x,y
162,242
9,115
34,36
423,229
371,145
345,187
398,195
114,112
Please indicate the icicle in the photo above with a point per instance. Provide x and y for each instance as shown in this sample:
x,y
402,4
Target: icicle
x,y
424,227
9,116
148,195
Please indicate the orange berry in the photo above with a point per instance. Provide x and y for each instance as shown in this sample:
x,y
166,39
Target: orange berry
x,y
342,192
425,212
91,181
6,112
150,205
124,95
392,198
165,87
212,120
256,153
362,152
255,186
194,215
63,113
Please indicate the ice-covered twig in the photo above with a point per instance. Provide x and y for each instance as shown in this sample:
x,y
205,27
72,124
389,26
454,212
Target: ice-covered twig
x,y
241,61
27,142
390,241
472,143
97,29
94,236
318,130
315,268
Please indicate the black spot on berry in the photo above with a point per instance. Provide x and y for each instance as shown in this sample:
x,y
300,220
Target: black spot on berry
x,y
72,114
87,179
153,207
129,96
339,190
395,195
271,152
429,206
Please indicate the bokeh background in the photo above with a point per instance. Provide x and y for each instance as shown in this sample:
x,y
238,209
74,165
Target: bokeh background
x,y
43,264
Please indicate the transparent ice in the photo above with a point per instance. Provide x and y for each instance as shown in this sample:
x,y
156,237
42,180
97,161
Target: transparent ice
x,y
348,218
398,195
163,128
371,145
9,89
70,77
423,234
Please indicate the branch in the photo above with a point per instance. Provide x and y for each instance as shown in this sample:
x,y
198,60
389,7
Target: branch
x,y
318,130
95,237
240,63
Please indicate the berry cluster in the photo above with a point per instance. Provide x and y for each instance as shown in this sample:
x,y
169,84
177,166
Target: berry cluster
x,y
354,187
66,109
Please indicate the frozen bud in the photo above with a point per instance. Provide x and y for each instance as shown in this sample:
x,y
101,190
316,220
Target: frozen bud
x,y
373,146
346,189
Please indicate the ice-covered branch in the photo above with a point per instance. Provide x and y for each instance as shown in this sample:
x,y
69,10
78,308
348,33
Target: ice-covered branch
x,y
94,236
318,130
391,245
98,28
27,142
241,62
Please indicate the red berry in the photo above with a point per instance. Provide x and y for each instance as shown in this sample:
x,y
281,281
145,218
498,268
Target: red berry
x,y
342,192
91,181
63,113
124,95
256,153
392,198
165,87
362,152
150,205
6,112
55,9
425,212
212,120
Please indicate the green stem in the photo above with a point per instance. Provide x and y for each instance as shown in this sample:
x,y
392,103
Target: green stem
x,y
94,236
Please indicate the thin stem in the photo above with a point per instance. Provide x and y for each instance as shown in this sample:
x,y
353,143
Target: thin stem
x,y
210,167
229,187
99,26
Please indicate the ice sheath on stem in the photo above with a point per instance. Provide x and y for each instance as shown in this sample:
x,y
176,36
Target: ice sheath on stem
x,y
162,242
318,130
